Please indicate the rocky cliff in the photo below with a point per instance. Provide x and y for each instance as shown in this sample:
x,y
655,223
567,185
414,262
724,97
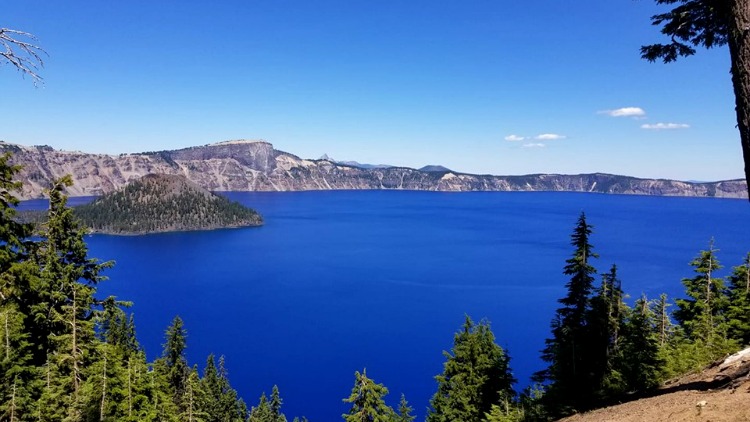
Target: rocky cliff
x,y
257,166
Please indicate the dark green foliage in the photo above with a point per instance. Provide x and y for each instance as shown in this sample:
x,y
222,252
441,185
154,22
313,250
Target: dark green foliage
x,y
500,413
275,405
367,401
604,326
262,412
66,355
475,376
705,318
218,400
738,312
710,23
157,203
574,353
640,361
268,410
702,315
693,23
404,411
19,380
664,326
175,368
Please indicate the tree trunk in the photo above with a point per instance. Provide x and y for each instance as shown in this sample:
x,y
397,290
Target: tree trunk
x,y
104,387
74,348
130,391
7,337
739,50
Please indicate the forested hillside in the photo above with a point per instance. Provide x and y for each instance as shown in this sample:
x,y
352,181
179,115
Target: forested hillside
x,y
160,203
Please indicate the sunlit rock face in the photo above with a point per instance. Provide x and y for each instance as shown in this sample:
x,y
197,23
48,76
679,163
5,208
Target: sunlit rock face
x,y
256,166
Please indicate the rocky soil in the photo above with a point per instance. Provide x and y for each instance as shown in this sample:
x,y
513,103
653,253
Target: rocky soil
x,y
720,393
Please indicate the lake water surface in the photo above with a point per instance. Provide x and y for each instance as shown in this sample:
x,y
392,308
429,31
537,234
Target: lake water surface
x,y
335,282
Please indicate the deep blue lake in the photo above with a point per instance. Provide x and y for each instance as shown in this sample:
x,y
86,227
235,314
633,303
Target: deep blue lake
x,y
335,282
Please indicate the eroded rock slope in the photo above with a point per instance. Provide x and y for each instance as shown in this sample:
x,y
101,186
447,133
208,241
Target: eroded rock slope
x,y
257,166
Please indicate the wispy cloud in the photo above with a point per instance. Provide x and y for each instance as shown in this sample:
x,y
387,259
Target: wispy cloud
x,y
662,126
624,112
549,137
534,145
514,138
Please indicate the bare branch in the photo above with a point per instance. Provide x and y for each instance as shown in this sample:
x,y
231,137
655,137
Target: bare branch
x,y
20,49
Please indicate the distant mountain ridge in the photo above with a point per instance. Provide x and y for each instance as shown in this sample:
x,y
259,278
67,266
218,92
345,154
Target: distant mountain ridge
x,y
432,168
356,164
244,165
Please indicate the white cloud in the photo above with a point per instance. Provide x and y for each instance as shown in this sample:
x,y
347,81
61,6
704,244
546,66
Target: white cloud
x,y
549,137
534,145
624,112
514,138
660,126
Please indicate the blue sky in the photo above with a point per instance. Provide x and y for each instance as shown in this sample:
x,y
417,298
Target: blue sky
x,y
483,86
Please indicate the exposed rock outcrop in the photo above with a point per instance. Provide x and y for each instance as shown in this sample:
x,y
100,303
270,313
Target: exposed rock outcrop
x,y
257,166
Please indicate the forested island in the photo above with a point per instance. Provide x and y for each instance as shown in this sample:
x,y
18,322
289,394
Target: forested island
x,y
163,203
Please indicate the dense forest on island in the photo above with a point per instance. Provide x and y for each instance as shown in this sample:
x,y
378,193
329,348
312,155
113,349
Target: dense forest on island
x,y
159,203
68,355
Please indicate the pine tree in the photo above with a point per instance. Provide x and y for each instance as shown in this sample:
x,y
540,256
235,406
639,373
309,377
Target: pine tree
x,y
476,375
172,368
191,403
665,328
738,312
367,401
572,378
702,316
275,406
404,411
139,392
116,328
500,413
641,363
63,300
604,324
18,376
262,412
218,400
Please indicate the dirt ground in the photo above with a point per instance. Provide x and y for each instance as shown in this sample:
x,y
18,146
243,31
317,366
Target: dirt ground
x,y
721,393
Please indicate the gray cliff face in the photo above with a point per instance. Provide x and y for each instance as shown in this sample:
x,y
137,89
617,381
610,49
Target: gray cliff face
x,y
257,166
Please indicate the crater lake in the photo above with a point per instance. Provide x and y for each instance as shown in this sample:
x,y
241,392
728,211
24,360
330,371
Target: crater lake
x,y
338,281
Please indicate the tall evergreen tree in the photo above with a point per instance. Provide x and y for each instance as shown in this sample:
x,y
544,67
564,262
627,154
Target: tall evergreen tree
x,y
173,366
664,326
702,315
18,375
475,376
404,411
604,325
218,400
191,399
64,309
261,412
738,312
275,405
571,375
367,401
641,364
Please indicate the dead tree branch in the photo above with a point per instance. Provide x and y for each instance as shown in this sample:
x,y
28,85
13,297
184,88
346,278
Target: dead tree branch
x,y
20,49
